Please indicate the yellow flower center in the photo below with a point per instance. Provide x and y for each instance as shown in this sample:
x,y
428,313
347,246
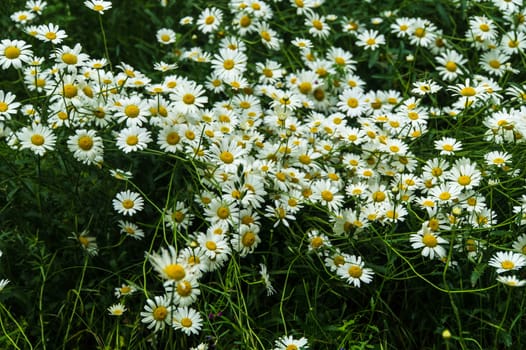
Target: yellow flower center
x,y
265,35
175,271
98,8
249,238
495,64
3,107
305,87
327,195
51,35
468,91
370,41
378,196
37,140
132,111
394,149
84,241
160,313
188,99
223,212
99,113
316,242
128,203
429,240
209,20
245,21
445,196
228,64
291,347
420,32
132,140
85,142
317,24
165,37
211,245
69,58
484,27
464,180
507,264
186,322
173,138
304,159
70,91
226,157
184,288
352,102
451,66
12,52
355,271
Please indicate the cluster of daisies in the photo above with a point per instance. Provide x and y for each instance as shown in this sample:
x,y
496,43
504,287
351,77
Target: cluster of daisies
x,y
272,141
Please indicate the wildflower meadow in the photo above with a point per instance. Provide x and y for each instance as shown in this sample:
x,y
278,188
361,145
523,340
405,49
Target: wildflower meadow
x,y
262,174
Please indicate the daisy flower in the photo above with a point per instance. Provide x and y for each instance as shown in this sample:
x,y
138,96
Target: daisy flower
x,y
98,5
354,272
128,202
495,62
317,25
187,320
133,110
165,36
464,174
51,33
216,246
7,105
448,145
511,281
38,138
505,261
370,40
36,6
450,64
130,229
228,63
166,263
288,343
265,277
246,240
86,146
13,53
269,37
184,291
133,139
430,241
124,290
3,283
22,17
422,32
483,28
209,20
87,242
425,87
519,245
327,194
70,58
188,97
352,102
157,313
117,309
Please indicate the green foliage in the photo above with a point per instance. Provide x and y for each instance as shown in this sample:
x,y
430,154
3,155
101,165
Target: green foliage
x,y
51,205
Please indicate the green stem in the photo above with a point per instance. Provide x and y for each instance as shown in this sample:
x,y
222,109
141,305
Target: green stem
x,y
105,42
81,282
